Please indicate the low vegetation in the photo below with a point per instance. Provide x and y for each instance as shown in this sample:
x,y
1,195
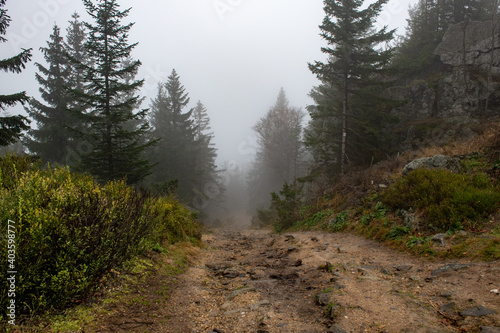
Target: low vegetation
x,y
71,232
413,208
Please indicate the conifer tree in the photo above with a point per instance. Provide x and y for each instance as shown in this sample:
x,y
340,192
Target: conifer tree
x,y
355,57
110,101
208,188
11,127
76,54
50,140
74,47
207,153
175,153
321,134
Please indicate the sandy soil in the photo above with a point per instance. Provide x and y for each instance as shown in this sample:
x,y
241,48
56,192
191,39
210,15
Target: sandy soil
x,y
252,281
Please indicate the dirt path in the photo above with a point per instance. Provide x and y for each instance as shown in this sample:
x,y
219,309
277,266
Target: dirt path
x,y
251,281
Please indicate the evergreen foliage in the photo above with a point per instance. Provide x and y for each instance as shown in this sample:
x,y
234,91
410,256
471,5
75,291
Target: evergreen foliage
x,y
51,139
110,100
11,127
175,153
352,76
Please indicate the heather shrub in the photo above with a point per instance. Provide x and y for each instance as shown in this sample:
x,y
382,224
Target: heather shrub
x,y
448,201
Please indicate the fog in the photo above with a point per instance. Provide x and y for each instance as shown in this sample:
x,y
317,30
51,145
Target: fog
x,y
233,55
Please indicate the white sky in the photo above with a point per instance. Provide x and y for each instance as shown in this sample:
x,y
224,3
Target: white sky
x,y
233,55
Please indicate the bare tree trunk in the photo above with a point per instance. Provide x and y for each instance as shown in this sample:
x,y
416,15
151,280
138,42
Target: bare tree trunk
x,y
490,67
344,128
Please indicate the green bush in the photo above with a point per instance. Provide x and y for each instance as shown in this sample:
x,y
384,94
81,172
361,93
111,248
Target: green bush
x,y
70,231
447,200
172,221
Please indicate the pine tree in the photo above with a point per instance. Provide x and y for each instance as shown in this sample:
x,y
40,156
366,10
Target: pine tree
x,y
356,60
50,140
116,152
11,127
175,153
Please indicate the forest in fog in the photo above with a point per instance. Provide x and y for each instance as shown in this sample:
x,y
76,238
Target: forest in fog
x,y
91,118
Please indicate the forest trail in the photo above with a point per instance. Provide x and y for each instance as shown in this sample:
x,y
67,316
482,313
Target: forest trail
x,y
252,281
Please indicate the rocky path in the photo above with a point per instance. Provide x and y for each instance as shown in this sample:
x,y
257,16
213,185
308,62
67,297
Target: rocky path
x,y
251,281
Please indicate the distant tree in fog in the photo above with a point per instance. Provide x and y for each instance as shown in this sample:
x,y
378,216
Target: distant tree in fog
x,y
208,187
280,152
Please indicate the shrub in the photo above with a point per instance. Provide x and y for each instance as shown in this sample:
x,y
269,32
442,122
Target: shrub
x,y
70,231
446,199
172,221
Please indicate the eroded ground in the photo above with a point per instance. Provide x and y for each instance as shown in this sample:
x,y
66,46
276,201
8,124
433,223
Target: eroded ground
x,y
252,281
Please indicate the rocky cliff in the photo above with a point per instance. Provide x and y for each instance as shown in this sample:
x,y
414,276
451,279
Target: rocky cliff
x,y
446,105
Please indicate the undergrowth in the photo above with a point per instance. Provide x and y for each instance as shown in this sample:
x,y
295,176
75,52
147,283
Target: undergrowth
x,y
413,208
71,231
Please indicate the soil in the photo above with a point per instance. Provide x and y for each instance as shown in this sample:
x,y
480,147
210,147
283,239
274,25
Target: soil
x,y
254,281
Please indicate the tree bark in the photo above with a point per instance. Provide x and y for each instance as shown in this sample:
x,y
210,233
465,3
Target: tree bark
x,y
490,67
344,128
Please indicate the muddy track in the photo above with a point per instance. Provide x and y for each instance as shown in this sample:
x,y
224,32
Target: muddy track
x,y
251,281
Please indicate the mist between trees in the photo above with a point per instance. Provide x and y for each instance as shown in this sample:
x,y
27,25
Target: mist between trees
x,y
91,118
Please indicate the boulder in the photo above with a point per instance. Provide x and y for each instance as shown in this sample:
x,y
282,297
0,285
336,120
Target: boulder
x,y
435,162
477,311
439,239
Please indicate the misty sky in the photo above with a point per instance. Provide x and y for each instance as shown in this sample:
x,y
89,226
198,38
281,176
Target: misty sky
x,y
233,55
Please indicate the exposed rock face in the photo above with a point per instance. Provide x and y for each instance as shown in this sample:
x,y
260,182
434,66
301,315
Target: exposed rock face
x,y
435,162
469,43
467,46
444,109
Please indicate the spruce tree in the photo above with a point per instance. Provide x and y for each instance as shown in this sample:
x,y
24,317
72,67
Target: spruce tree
x,y
50,140
207,153
175,153
208,188
321,134
74,47
110,100
11,127
356,60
